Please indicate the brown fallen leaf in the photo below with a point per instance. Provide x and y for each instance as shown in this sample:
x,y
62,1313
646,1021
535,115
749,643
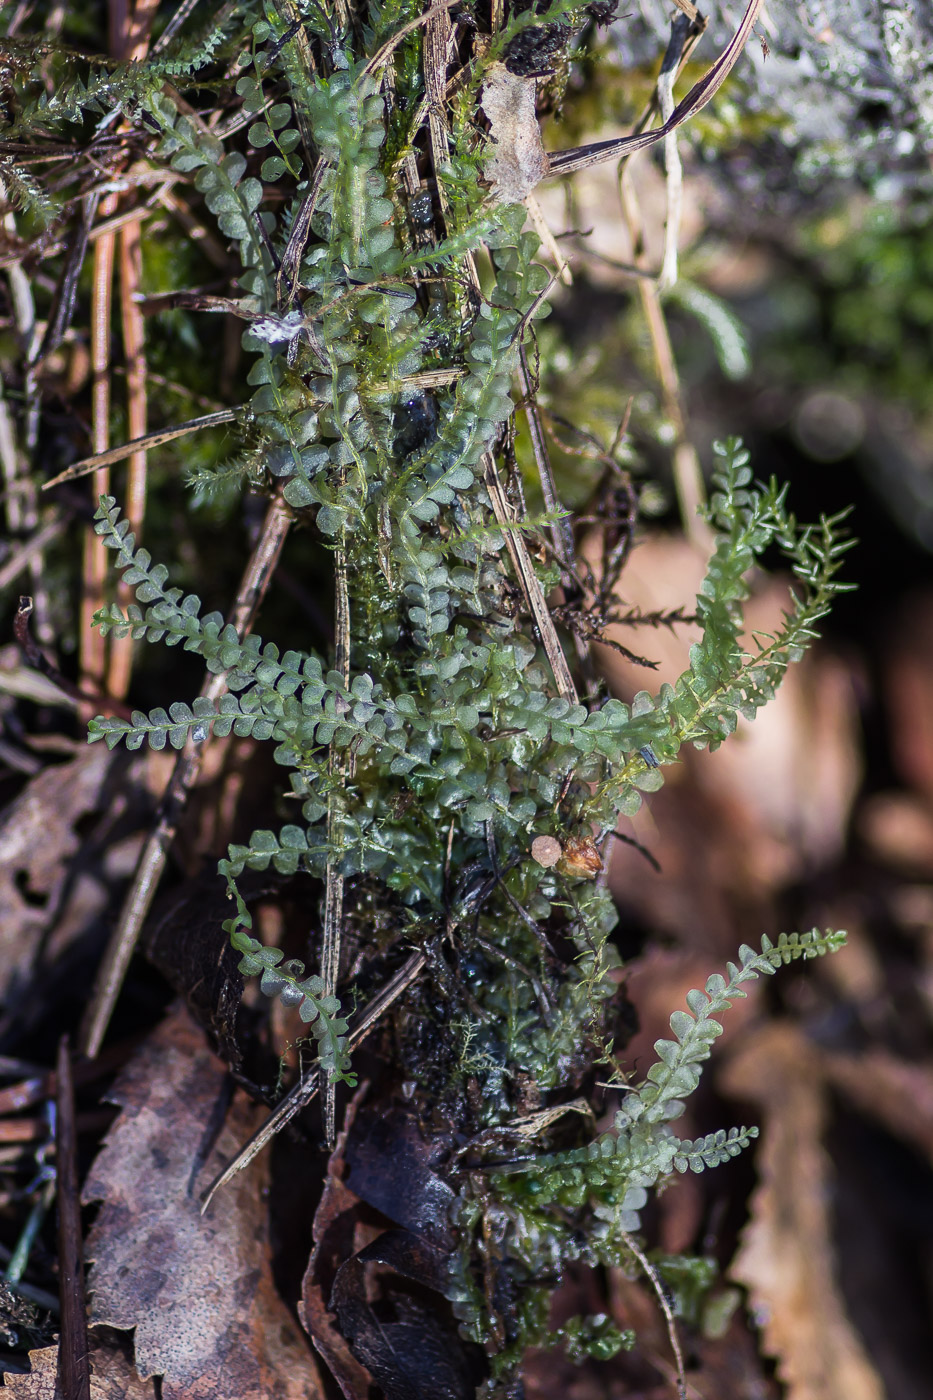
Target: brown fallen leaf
x,y
789,778
198,1289
897,827
893,1091
113,1376
785,1259
337,1235
519,160
38,843
908,687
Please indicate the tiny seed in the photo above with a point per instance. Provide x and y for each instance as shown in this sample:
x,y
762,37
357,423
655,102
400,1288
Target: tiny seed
x,y
546,850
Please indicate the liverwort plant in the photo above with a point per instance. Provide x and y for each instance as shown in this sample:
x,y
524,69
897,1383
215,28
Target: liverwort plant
x,y
386,299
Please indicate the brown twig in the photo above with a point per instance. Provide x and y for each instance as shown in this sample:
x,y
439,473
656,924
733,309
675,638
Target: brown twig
x,y
337,767
37,659
561,531
152,861
134,354
303,1093
66,294
146,444
74,1366
654,1279
130,41
530,584
688,477
92,646
565,162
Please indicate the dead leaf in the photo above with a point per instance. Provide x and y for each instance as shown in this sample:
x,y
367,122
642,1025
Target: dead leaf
x,y
732,828
38,842
898,829
908,685
580,859
786,1256
185,940
893,1091
408,1345
198,1289
337,1236
113,1376
519,160
404,1341
41,1382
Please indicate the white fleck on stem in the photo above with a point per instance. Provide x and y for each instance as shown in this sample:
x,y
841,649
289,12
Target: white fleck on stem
x,y
675,182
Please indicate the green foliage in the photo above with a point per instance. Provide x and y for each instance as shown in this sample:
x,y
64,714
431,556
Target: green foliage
x,y
723,683
426,757
286,980
858,307
721,324
585,1203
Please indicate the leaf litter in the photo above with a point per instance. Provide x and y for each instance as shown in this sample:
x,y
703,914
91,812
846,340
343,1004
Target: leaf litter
x,y
197,1289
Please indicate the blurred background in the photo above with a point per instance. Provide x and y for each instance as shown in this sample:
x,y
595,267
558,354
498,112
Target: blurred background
x,y
801,320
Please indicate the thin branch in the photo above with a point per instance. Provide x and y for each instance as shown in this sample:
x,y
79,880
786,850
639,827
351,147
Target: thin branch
x,y
653,1278
152,861
134,354
92,644
142,444
337,768
74,1364
680,32
561,531
688,477
67,292
530,584
565,162
302,1093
